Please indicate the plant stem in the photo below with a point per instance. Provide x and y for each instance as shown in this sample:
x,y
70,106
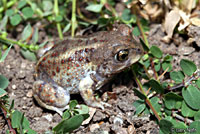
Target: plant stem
x,y
9,4
9,41
3,109
56,11
73,19
148,102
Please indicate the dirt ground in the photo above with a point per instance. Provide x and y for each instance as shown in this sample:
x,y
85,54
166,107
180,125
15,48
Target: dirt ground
x,y
119,119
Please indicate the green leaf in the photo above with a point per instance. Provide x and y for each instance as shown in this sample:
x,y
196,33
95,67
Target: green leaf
x,y
9,12
139,94
26,32
67,27
35,36
188,67
168,58
140,106
5,54
172,100
198,83
83,109
68,125
2,92
166,65
15,19
136,31
194,127
94,8
58,18
47,5
3,82
177,76
30,131
3,23
157,66
165,126
145,47
156,52
73,104
66,115
187,111
155,104
27,12
16,119
197,116
156,86
128,17
28,55
191,96
21,4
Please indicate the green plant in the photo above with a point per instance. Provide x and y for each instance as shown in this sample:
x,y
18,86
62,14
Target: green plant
x,y
169,101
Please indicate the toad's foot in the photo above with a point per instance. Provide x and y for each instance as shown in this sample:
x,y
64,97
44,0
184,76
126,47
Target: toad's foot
x,y
52,97
85,88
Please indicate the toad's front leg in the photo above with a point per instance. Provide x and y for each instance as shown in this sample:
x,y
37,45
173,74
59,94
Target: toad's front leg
x,y
85,88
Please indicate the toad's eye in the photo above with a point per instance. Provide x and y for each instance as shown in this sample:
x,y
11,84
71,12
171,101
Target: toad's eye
x,y
122,55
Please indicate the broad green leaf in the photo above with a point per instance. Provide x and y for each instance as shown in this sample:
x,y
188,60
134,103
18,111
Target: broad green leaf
x,y
156,86
66,115
197,116
5,53
27,12
187,111
21,4
83,109
47,5
198,83
166,65
15,19
28,55
188,67
68,125
168,58
94,8
30,131
58,18
172,100
73,104
155,104
177,76
194,128
156,52
16,119
157,66
3,82
26,32
165,126
140,106
191,96
136,31
9,12
128,17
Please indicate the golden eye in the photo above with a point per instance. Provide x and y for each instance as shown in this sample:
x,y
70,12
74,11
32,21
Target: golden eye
x,y
122,55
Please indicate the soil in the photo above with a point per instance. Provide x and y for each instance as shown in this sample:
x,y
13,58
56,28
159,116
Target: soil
x,y
119,119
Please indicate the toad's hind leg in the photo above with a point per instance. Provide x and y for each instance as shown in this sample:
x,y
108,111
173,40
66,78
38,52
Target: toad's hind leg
x,y
51,96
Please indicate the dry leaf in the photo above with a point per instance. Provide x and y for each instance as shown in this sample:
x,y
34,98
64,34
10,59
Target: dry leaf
x,y
195,21
171,20
186,20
